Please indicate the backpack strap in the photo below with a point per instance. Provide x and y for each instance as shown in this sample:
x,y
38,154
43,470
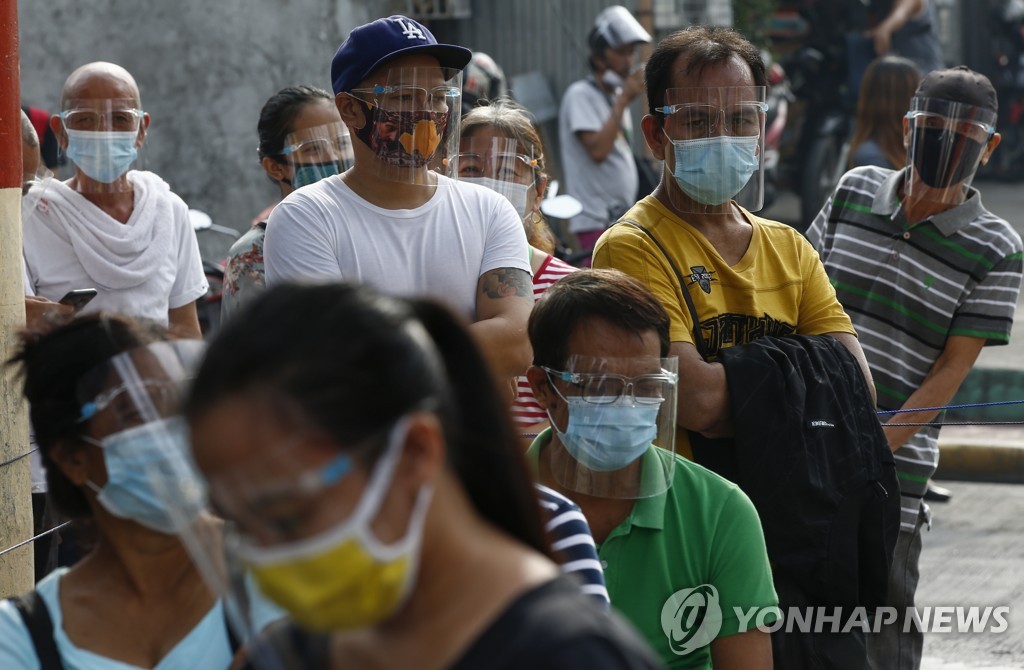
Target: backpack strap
x,y
698,336
37,620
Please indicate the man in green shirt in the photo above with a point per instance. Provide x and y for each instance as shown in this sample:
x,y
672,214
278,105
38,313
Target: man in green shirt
x,y
682,548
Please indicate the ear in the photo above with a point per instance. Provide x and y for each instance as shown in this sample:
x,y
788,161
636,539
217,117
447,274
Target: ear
x,y
654,134
424,454
541,386
992,144
906,132
274,169
541,187
72,461
351,111
57,126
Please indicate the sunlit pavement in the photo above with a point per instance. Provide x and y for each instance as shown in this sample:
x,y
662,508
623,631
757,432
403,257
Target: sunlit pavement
x,y
974,556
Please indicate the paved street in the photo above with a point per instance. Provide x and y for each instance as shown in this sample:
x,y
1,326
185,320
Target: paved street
x,y
974,555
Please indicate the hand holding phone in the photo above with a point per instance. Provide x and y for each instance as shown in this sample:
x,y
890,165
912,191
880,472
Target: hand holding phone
x,y
78,298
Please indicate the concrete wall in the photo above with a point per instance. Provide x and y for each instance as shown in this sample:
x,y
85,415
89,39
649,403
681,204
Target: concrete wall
x,y
204,69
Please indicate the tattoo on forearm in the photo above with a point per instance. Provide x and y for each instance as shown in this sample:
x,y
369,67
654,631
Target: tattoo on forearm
x,y
507,283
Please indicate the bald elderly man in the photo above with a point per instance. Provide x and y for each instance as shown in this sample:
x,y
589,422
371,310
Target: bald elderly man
x,y
110,227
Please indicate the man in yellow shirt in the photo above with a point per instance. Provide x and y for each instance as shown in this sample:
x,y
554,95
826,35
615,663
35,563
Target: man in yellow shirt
x,y
692,242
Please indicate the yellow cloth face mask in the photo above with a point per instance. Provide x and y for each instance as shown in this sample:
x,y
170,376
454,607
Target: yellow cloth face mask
x,y
345,577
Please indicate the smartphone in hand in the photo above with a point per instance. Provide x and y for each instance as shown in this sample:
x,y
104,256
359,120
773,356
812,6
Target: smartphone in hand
x,y
78,298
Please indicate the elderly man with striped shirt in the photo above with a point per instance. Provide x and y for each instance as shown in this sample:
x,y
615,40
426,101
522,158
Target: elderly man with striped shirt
x,y
929,277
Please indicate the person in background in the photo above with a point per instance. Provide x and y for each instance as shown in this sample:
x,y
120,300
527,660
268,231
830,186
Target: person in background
x,y
483,81
380,493
889,84
37,311
394,220
595,127
501,149
664,525
120,231
103,397
302,140
37,308
929,277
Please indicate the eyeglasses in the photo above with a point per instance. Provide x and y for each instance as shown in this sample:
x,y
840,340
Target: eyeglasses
x,y
975,130
694,119
317,149
518,168
121,120
607,388
391,97
278,510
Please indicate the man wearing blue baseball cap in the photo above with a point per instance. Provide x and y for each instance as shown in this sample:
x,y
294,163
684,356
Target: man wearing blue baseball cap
x,y
398,219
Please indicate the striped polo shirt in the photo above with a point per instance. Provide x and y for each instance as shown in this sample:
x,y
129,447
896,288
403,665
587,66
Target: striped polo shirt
x,y
907,288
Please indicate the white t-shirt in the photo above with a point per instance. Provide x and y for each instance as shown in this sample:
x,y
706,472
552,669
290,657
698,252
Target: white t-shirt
x,y
141,268
606,189
326,232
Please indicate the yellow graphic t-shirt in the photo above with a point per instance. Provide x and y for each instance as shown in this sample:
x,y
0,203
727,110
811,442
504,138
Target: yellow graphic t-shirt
x,y
779,286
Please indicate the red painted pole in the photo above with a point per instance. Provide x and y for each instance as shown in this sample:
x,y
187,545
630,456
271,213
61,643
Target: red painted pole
x,y
16,572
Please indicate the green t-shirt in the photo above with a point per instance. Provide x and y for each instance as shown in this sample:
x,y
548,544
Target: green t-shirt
x,y
702,531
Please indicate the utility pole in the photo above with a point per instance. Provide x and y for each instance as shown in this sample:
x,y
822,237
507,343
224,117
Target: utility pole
x,y
16,567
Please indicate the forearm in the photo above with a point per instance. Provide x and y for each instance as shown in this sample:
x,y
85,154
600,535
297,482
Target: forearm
x,y
703,393
902,11
852,344
599,144
937,390
504,344
183,322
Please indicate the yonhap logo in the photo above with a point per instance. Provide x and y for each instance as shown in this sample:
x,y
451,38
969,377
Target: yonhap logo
x,y
691,618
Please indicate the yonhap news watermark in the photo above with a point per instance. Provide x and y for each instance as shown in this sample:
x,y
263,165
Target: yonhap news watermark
x,y
927,619
692,618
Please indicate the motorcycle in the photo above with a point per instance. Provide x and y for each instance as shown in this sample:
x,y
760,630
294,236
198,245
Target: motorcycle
x,y
1006,71
814,151
779,97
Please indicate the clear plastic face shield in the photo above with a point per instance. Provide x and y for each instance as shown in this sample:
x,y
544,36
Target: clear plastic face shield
x,y
413,123
616,426
716,154
317,153
311,530
103,139
501,164
946,142
132,404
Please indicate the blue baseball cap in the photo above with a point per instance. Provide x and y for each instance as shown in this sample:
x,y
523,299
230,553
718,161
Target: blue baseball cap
x,y
373,44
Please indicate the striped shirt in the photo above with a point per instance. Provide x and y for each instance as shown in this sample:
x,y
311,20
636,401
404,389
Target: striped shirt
x,y
907,288
571,542
526,411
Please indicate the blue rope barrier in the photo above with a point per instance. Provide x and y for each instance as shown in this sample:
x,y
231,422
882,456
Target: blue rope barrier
x,y
945,407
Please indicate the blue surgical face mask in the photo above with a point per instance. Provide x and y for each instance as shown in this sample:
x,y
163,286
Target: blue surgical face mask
x,y
608,437
310,173
712,170
147,468
102,155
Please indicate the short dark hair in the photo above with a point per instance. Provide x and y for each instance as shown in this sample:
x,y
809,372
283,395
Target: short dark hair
x,y
611,295
53,360
704,45
278,115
